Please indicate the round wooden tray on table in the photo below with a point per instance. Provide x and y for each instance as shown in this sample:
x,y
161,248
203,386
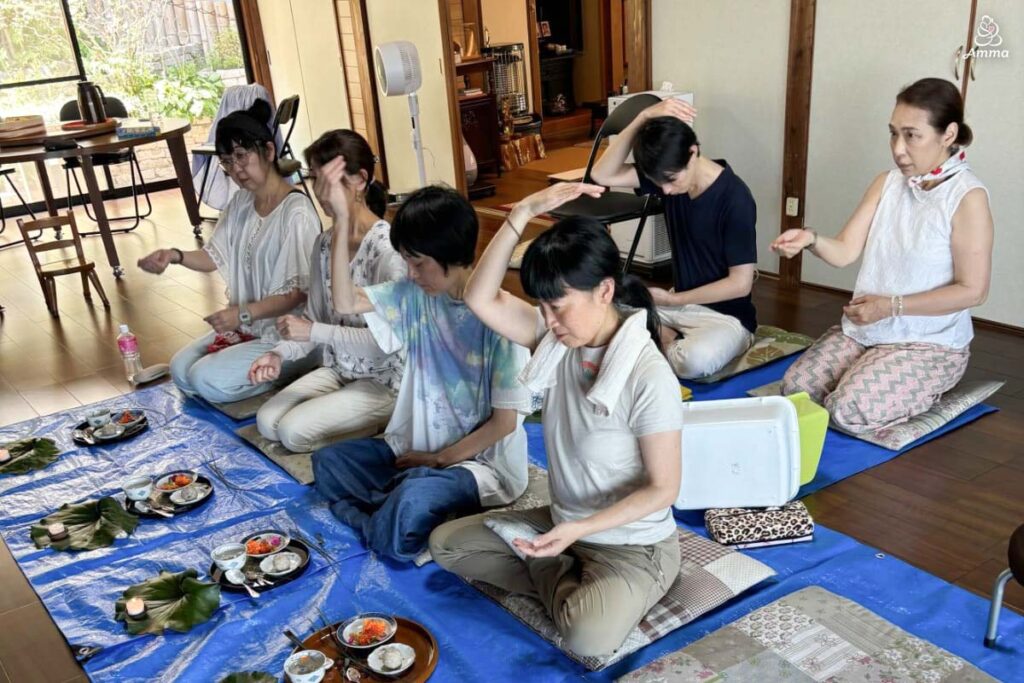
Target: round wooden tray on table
x,y
409,632
70,130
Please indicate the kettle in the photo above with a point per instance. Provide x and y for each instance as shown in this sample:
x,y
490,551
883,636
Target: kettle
x,y
90,102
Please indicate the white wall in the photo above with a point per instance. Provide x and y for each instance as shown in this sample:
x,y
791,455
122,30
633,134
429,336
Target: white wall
x,y
853,91
506,22
305,60
733,55
417,21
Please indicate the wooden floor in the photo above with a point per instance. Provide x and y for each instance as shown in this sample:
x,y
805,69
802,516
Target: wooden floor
x,y
947,507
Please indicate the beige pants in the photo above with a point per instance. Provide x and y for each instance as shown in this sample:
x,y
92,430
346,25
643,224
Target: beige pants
x,y
595,594
710,340
320,408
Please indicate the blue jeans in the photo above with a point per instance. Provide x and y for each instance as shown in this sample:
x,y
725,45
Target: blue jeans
x,y
395,509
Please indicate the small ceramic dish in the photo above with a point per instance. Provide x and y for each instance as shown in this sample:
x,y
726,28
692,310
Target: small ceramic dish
x,y
280,564
128,417
229,556
188,495
392,659
307,666
173,481
108,431
138,488
264,543
368,630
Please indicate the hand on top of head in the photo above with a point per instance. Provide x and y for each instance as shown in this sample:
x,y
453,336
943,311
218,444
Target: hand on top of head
x,y
554,196
674,107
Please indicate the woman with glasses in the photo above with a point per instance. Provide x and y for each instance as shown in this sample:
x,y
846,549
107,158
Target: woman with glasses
x,y
261,246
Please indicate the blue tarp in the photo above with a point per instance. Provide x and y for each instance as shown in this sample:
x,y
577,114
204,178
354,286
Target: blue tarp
x,y
478,640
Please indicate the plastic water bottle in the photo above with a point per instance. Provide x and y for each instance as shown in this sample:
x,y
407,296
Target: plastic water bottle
x,y
128,345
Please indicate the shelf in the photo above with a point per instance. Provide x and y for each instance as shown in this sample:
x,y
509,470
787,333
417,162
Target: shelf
x,y
475,62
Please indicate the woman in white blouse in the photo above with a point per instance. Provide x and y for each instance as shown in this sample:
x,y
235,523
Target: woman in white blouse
x,y
353,393
925,232
261,247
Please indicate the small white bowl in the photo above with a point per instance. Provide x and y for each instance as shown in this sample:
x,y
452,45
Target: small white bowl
x,y
312,677
138,488
376,659
233,562
98,417
287,557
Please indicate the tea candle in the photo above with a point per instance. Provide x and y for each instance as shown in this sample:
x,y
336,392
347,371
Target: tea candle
x,y
56,531
5,455
135,607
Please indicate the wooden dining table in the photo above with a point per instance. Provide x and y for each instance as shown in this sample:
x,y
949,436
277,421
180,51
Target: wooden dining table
x,y
172,131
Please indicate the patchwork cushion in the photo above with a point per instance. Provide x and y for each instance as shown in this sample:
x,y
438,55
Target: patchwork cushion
x,y
246,408
709,575
962,397
770,344
810,635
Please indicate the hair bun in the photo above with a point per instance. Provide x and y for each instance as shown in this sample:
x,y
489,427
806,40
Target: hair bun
x,y
260,110
965,135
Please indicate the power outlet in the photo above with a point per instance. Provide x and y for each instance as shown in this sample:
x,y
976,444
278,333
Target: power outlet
x,y
792,207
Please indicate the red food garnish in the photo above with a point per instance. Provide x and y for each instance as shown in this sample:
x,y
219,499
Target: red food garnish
x,y
373,630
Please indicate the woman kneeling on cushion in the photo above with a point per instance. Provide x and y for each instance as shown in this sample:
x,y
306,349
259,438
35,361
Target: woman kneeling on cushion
x,y
925,231
606,549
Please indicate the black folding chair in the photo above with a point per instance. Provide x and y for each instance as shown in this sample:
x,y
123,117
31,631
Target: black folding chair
x,y
286,114
614,207
114,108
6,174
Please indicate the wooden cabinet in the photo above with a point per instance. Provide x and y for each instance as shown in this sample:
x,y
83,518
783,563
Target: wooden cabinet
x,y
479,117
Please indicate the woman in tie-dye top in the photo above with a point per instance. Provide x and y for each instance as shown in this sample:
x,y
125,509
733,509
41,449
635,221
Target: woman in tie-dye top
x,y
455,442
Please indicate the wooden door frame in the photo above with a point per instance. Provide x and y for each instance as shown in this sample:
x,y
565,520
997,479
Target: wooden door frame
x,y
252,35
454,116
534,48
367,83
797,127
637,15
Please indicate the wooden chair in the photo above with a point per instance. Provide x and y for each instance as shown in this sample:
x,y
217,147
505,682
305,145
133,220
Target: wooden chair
x,y
48,271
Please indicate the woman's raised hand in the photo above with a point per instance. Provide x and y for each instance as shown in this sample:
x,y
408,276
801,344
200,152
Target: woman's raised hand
x,y
552,197
672,106
792,242
329,191
157,262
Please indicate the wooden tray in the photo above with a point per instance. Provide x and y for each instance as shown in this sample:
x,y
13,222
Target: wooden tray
x,y
59,132
409,632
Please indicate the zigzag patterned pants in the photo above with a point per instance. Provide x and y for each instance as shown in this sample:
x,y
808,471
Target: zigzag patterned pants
x,y
867,388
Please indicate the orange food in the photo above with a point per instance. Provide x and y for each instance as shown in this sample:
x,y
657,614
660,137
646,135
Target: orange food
x,y
258,546
126,417
176,482
373,630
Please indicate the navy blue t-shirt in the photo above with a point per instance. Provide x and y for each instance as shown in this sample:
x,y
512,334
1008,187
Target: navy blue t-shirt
x,y
710,234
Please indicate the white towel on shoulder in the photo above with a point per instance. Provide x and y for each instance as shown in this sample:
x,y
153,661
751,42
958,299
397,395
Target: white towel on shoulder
x,y
619,361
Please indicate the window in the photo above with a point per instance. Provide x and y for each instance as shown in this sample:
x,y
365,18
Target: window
x,y
168,58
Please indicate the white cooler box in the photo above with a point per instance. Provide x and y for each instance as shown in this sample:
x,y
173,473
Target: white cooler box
x,y
741,452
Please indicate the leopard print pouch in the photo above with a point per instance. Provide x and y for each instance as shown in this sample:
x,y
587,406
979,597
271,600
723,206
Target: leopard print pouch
x,y
730,526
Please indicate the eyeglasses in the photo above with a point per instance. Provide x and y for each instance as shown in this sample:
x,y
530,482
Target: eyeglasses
x,y
238,158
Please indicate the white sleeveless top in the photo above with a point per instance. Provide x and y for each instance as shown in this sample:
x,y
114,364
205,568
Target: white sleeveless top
x,y
908,251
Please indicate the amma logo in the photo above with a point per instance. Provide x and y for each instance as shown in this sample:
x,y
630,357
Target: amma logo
x,y
987,40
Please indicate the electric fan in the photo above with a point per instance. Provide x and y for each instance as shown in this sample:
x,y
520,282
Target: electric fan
x,y
398,73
